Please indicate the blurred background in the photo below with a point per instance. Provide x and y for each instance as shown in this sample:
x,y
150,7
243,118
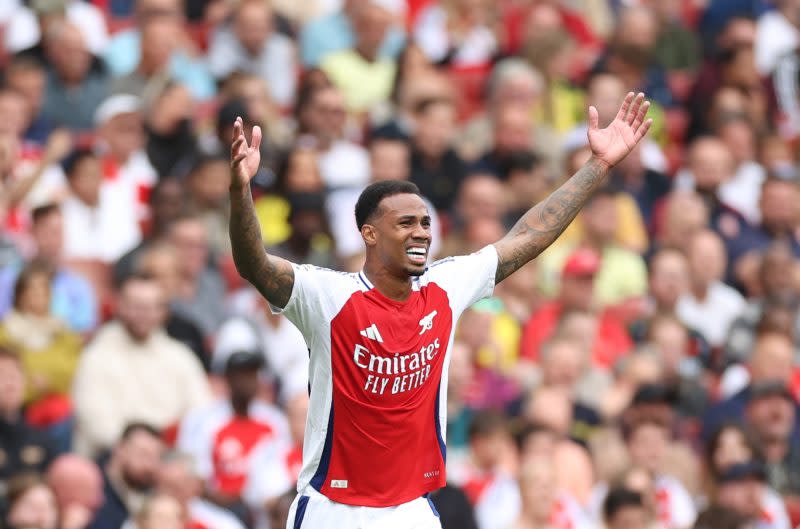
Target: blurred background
x,y
642,373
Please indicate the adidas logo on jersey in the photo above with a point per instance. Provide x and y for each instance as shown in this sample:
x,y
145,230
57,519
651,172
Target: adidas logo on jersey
x,y
427,322
338,483
372,333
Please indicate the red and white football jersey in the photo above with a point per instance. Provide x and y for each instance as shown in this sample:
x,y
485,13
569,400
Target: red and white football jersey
x,y
375,433
676,509
224,445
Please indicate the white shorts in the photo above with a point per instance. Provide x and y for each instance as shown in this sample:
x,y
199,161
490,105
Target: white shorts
x,y
312,510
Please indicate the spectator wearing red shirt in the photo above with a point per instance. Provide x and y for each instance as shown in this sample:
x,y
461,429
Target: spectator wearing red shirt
x,y
577,283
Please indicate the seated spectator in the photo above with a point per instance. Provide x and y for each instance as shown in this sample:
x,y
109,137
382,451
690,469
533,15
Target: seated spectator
x,y
625,509
132,370
251,44
648,441
335,32
709,306
156,45
74,90
308,242
78,487
622,276
199,287
683,214
31,503
630,55
25,448
224,436
435,167
543,505
772,360
207,186
718,517
577,286
731,445
100,223
178,477
72,298
171,144
458,33
28,23
160,511
484,477
528,183
777,287
48,350
129,476
363,75
678,48
28,78
771,415
512,130
740,488
321,121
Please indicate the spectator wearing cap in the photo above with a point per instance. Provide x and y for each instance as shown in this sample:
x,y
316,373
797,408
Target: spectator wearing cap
x,y
740,488
225,436
132,370
77,484
335,32
251,44
709,306
308,241
771,415
772,360
74,90
129,475
100,223
576,293
28,24
364,76
160,59
121,141
622,276
22,447
72,297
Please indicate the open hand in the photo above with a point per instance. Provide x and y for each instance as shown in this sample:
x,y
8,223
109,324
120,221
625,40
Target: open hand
x,y
245,159
613,143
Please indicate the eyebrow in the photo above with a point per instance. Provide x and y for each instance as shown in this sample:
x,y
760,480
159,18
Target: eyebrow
x,y
413,217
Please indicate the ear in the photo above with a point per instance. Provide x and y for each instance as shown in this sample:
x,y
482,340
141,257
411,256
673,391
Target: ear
x,y
369,234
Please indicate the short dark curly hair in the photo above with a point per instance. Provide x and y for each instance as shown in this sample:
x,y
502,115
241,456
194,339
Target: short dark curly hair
x,y
371,197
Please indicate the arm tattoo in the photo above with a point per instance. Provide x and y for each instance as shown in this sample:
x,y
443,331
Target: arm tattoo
x,y
272,276
543,223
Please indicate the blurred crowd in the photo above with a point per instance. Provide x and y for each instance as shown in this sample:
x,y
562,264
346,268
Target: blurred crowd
x,y
642,373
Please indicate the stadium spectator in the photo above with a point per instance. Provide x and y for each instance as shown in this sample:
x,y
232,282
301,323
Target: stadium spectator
x,y
777,34
31,503
308,242
74,89
625,509
77,484
129,475
251,44
132,370
72,298
171,143
27,77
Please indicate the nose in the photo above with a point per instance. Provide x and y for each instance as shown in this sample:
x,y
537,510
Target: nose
x,y
421,233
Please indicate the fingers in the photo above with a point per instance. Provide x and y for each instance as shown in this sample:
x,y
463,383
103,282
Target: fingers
x,y
255,142
634,108
594,118
640,115
640,133
626,104
237,127
237,145
239,158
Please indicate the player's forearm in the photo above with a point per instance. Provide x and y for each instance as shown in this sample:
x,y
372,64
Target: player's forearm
x,y
272,276
543,223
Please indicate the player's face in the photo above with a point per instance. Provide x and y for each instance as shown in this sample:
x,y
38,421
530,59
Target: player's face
x,y
402,234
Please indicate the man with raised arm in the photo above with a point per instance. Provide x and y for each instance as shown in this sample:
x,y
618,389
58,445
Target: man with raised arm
x,y
380,339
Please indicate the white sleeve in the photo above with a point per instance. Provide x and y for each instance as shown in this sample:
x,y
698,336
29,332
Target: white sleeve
x,y
268,477
684,512
466,278
193,441
317,295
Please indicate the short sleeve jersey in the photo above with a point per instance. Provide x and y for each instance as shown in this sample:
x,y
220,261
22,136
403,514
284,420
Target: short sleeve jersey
x,y
375,432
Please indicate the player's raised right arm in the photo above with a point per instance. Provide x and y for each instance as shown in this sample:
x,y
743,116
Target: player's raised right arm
x,y
272,276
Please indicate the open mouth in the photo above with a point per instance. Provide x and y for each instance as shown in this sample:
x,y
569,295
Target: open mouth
x,y
417,255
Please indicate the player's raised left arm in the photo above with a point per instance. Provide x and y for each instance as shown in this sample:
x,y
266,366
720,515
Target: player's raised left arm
x,y
543,223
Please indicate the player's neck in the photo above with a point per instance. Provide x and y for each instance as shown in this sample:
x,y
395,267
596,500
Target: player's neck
x,y
393,287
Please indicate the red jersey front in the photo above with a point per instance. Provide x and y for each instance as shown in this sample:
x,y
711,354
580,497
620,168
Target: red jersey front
x,y
376,424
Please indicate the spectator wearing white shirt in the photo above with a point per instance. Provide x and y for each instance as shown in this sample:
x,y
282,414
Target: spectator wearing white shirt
x,y
99,222
24,25
251,44
777,34
710,306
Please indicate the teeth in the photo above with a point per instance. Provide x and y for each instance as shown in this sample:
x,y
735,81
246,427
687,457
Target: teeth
x,y
416,251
